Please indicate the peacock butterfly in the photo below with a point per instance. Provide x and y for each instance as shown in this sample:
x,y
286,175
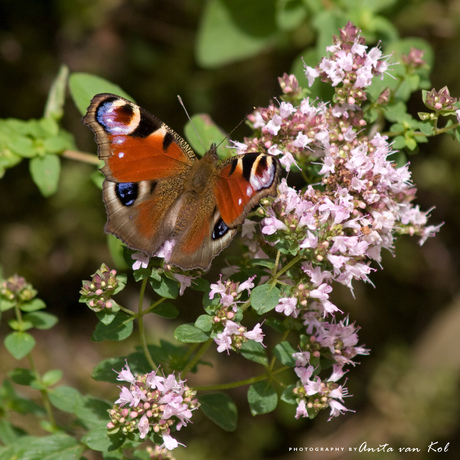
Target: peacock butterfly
x,y
157,191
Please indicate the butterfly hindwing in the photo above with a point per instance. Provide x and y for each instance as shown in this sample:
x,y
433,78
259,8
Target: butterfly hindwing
x,y
242,182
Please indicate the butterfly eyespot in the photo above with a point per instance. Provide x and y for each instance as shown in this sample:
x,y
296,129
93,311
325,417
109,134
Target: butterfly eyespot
x,y
219,230
127,192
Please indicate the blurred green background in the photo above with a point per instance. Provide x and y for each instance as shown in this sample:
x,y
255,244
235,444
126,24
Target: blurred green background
x,y
224,57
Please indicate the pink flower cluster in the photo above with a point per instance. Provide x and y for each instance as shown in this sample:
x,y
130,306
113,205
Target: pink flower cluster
x,y
349,65
97,293
229,334
357,203
155,404
336,342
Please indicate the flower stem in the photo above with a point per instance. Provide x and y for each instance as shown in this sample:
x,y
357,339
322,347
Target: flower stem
x,y
197,357
240,383
140,319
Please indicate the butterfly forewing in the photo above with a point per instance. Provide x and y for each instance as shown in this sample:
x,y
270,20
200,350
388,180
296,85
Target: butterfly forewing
x,y
135,145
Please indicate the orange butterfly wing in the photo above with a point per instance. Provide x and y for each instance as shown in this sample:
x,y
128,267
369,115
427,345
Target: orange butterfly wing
x,y
135,145
242,182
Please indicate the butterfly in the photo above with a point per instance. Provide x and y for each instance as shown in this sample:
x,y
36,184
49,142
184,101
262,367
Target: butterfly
x,y
159,195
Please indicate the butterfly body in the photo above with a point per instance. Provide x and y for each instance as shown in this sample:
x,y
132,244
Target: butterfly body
x,y
159,195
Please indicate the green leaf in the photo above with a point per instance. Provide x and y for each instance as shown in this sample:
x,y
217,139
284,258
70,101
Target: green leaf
x,y
19,344
92,412
227,35
254,351
45,173
166,310
116,248
99,440
55,103
58,144
188,333
290,14
106,371
65,398
264,298
84,86
119,329
204,323
262,398
33,305
219,408
208,132
288,395
283,352
107,315
51,377
41,319
165,287
53,447
276,324
22,376
9,434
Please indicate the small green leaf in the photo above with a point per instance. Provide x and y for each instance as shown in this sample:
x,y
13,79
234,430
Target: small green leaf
x,y
56,446
188,333
45,173
264,298
20,325
208,132
19,344
204,323
166,310
107,315
276,324
41,319
92,411
165,287
65,398
22,376
55,104
225,35
288,395
51,377
262,398
99,440
283,352
33,305
219,408
117,248
106,371
84,86
119,329
254,351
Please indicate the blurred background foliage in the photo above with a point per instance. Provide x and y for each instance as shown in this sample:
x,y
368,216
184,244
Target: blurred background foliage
x,y
223,57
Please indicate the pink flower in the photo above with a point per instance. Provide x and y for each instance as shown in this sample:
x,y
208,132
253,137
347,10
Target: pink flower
x,y
143,426
185,281
288,306
141,260
301,410
256,334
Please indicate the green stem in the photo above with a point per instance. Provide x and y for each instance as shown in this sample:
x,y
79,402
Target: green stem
x,y
140,318
287,267
197,357
44,392
240,383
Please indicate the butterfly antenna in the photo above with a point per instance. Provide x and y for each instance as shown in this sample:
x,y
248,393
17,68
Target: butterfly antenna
x,y
191,121
234,129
